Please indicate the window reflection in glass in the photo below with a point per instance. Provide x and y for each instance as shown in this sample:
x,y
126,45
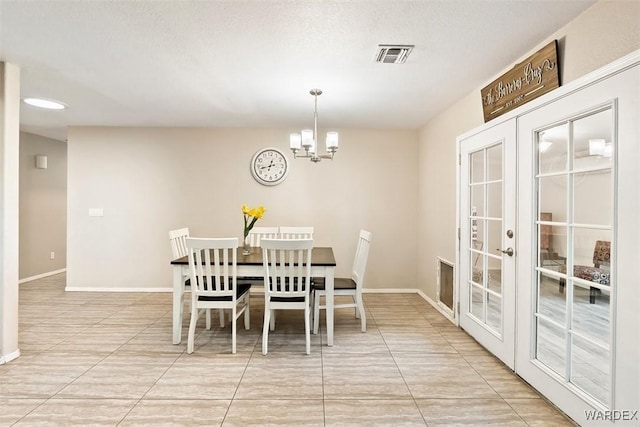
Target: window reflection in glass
x,y
592,141
552,145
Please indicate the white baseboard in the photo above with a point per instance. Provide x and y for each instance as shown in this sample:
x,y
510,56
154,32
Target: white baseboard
x,y
435,305
427,299
9,357
254,289
389,291
91,289
40,276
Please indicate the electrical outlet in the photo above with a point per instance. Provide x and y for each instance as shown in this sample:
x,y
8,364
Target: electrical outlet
x,y
52,255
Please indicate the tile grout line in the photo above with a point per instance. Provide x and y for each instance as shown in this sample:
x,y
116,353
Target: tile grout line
x,y
400,372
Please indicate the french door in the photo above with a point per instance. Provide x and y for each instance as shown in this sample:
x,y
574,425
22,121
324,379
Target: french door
x,y
577,335
487,238
550,284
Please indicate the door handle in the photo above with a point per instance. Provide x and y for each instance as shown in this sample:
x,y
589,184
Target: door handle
x,y
508,251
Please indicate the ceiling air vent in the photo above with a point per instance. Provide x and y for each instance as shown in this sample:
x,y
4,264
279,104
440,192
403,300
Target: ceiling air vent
x,y
393,54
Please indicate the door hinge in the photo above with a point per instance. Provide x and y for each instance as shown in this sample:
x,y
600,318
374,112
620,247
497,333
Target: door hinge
x,y
458,308
459,159
458,233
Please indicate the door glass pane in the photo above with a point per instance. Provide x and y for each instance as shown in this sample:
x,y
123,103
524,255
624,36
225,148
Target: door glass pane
x,y
551,346
494,276
553,196
575,232
591,253
476,268
593,197
476,303
477,166
477,200
494,159
552,192
477,233
493,237
552,300
552,149
591,319
592,141
494,200
590,368
494,312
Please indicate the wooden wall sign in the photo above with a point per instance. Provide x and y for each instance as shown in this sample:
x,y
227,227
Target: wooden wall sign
x,y
535,76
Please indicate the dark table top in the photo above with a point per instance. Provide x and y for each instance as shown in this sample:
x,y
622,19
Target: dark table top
x,y
319,257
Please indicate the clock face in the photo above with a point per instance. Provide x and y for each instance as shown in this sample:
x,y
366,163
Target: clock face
x,y
269,166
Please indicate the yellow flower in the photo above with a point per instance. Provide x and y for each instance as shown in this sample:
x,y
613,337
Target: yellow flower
x,y
253,213
257,212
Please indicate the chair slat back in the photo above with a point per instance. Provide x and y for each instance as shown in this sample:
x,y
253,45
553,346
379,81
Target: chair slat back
x,y
287,267
213,266
296,232
360,260
258,233
178,242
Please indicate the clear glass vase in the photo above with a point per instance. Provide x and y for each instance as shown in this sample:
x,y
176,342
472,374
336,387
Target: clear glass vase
x,y
246,247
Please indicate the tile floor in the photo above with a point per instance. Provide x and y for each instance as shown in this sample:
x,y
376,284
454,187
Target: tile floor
x,y
107,359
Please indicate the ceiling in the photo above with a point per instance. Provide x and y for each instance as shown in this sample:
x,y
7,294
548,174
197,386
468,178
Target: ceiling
x,y
252,63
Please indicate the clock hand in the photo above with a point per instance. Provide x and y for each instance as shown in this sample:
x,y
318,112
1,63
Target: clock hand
x,y
268,166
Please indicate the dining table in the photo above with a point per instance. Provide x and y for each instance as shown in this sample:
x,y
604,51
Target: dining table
x,y
323,264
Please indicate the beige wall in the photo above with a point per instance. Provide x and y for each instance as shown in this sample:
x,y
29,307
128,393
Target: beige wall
x,y
43,206
139,177
605,32
151,180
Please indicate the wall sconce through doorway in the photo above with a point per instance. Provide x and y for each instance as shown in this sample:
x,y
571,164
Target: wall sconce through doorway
x,y
41,162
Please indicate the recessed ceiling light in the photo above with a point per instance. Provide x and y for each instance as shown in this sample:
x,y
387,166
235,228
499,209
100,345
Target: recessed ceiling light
x,y
45,103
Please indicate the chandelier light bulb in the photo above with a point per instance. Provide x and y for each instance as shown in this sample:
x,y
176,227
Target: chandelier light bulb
x,y
332,141
307,138
295,141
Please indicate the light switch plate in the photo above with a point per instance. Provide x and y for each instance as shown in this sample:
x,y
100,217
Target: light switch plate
x,y
96,212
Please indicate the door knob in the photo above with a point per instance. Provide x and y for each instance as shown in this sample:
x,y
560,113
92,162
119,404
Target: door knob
x,y
508,251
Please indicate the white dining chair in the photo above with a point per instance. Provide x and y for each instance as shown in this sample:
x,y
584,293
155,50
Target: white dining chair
x,y
258,233
287,282
346,286
296,232
213,273
178,240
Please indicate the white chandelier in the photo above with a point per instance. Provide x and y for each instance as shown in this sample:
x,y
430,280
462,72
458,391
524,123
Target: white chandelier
x,y
307,138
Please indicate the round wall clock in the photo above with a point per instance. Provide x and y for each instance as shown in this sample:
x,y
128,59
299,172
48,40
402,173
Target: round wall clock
x,y
269,166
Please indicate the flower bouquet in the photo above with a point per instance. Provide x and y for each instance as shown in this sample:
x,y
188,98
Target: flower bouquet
x,y
250,215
